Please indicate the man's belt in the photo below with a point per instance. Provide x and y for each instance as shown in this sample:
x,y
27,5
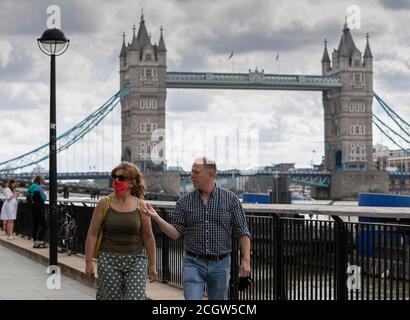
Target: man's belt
x,y
207,257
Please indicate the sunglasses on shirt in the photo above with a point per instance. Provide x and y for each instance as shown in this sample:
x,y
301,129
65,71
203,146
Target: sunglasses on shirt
x,y
119,177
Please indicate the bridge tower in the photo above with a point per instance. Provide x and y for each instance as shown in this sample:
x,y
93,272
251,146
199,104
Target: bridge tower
x,y
143,68
348,121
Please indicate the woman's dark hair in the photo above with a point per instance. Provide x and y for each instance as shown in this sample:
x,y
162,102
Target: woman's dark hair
x,y
38,179
10,185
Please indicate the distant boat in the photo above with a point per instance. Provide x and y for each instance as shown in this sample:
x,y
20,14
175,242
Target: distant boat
x,y
297,197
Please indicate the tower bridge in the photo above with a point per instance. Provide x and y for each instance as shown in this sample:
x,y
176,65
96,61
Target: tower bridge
x,y
345,82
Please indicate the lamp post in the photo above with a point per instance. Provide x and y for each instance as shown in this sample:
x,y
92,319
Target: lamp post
x,y
276,176
53,43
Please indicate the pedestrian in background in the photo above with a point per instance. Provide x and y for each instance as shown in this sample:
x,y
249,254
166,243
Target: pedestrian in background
x,y
37,198
9,209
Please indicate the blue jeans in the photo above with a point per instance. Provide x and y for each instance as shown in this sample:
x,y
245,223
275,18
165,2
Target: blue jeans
x,y
215,274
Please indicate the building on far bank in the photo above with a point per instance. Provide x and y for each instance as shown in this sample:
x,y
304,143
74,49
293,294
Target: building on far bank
x,y
393,161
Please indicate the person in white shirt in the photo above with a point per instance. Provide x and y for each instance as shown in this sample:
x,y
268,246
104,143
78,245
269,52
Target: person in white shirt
x,y
9,209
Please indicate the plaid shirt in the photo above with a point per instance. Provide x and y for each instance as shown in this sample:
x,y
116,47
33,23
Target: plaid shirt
x,y
207,229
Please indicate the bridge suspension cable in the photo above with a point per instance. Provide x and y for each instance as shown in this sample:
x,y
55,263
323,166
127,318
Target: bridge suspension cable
x,y
68,138
384,129
392,134
400,122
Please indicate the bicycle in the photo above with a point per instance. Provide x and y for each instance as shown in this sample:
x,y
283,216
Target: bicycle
x,y
67,231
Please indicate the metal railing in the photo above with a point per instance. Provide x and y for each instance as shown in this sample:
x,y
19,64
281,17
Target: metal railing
x,y
299,252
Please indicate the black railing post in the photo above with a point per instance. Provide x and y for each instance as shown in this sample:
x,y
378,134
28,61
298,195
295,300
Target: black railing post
x,y
233,293
340,259
279,284
165,250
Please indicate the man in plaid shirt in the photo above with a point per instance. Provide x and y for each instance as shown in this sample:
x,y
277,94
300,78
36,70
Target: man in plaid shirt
x,y
206,218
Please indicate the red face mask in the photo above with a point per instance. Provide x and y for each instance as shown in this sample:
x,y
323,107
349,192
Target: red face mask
x,y
120,187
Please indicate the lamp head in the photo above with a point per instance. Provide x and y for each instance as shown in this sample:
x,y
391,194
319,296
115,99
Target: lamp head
x,y
53,42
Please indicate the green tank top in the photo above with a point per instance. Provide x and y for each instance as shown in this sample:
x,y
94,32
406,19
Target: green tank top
x,y
122,232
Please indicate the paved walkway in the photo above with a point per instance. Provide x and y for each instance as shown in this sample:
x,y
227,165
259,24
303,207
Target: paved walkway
x,y
23,279
23,275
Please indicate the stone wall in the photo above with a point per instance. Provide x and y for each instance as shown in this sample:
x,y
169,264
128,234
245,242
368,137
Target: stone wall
x,y
350,184
166,182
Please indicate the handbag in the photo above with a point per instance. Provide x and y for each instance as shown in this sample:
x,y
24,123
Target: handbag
x,y
244,282
97,248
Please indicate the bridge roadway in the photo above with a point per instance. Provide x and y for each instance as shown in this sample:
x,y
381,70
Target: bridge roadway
x,y
252,80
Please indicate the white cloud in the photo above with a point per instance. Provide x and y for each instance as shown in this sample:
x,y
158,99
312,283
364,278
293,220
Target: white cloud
x,y
5,53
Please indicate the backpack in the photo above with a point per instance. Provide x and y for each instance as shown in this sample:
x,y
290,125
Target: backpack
x,y
29,198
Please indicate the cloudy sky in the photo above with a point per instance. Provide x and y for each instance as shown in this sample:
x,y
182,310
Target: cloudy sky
x,y
199,36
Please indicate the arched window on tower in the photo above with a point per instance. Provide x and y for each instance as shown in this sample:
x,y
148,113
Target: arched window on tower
x,y
127,154
338,160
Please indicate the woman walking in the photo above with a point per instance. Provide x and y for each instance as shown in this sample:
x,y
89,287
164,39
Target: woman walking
x,y
9,209
122,266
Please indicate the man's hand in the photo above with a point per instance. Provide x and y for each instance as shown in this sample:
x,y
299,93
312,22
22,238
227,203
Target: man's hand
x,y
245,269
142,205
149,211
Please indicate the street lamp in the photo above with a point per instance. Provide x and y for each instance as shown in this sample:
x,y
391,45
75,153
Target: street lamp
x,y
53,43
276,176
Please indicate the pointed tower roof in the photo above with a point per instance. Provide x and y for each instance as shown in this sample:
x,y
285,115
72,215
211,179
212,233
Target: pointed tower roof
x,y
367,51
142,36
123,48
325,57
133,45
161,45
346,45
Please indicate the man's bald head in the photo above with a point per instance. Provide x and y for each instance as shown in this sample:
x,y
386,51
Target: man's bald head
x,y
206,162
203,173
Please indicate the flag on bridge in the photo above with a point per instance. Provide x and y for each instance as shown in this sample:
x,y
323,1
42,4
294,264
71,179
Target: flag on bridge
x,y
277,60
231,55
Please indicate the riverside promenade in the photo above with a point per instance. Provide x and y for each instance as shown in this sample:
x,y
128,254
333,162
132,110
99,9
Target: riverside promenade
x,y
23,275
